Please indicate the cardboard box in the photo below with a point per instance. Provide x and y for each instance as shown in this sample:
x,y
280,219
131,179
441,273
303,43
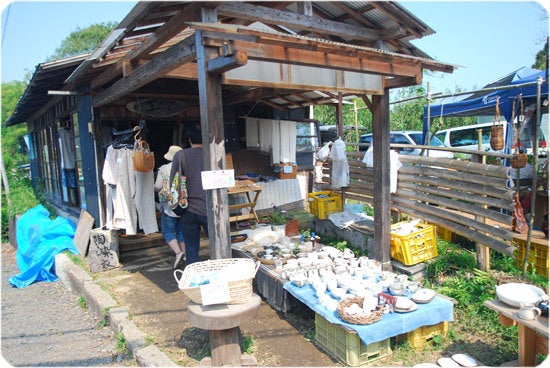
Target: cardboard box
x,y
285,171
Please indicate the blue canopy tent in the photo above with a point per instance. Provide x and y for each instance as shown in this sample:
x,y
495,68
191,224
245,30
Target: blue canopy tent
x,y
522,82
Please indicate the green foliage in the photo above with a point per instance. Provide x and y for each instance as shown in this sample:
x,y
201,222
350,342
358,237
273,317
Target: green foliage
x,y
120,344
408,115
368,209
82,302
541,59
83,40
326,115
247,344
277,217
342,244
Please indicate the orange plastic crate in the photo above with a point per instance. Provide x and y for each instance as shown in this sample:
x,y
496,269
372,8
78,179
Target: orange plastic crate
x,y
413,248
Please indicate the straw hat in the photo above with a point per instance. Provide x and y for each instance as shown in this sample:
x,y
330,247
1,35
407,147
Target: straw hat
x,y
171,152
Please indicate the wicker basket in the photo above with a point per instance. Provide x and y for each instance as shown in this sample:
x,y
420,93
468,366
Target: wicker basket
x,y
240,284
518,161
497,137
355,319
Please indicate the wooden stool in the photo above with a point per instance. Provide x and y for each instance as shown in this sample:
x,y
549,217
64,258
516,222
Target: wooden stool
x,y
223,321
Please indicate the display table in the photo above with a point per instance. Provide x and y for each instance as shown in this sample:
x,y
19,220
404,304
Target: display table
x,y
532,335
268,283
391,324
246,188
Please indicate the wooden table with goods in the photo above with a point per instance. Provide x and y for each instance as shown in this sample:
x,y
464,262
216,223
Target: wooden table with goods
x,y
248,188
532,335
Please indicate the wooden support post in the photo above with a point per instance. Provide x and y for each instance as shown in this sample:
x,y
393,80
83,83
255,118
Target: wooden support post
x,y
87,139
211,112
482,251
381,179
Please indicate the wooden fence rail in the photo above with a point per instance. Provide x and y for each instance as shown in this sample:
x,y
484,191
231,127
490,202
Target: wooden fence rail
x,y
455,195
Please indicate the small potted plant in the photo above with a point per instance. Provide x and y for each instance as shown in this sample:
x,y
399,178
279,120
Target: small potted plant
x,y
277,219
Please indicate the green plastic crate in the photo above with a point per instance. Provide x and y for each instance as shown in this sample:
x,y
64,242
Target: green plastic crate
x,y
346,346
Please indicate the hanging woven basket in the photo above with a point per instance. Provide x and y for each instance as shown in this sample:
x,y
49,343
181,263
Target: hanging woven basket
x,y
497,137
518,160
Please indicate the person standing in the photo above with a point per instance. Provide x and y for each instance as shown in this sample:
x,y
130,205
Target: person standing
x,y
194,217
170,224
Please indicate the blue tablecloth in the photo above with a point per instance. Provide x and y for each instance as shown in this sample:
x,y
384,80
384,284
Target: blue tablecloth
x,y
391,324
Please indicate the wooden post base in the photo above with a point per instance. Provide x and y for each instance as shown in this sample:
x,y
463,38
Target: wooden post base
x,y
222,322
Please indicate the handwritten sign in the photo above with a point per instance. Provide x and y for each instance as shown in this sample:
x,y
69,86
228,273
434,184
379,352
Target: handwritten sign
x,y
218,179
215,293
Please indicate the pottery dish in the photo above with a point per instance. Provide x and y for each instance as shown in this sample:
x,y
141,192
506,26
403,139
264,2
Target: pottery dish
x,y
516,293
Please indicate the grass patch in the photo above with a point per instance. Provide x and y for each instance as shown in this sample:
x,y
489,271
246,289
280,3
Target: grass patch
x,y
82,302
120,345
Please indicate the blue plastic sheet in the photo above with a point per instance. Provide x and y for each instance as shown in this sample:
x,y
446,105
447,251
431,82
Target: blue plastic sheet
x,y
39,240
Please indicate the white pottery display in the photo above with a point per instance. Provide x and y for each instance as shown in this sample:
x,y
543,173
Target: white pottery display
x,y
516,293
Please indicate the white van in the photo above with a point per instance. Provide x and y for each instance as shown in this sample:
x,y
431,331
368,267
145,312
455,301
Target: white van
x,y
465,137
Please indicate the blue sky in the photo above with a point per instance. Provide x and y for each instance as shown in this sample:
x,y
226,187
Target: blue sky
x,y
487,39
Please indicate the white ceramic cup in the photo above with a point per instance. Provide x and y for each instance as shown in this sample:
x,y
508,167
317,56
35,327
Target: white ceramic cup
x,y
528,311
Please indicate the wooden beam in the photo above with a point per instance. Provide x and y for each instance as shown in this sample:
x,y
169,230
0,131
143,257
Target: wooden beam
x,y
270,16
187,71
382,196
171,28
224,63
213,148
181,53
219,34
304,8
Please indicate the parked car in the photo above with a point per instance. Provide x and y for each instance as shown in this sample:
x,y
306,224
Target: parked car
x,y
409,137
466,137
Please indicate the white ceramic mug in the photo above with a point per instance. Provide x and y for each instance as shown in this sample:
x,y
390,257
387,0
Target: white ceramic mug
x,y
528,311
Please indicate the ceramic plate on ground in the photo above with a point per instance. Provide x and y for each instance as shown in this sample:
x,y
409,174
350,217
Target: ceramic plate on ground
x,y
447,363
465,360
515,293
423,295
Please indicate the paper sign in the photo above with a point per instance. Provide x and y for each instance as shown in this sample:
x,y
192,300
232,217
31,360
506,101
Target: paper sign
x,y
218,179
288,169
215,293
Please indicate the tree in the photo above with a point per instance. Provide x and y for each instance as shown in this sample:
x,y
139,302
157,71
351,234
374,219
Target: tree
x,y
83,40
408,115
541,59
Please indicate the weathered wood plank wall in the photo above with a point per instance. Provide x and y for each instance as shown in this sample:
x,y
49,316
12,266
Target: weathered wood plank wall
x,y
445,192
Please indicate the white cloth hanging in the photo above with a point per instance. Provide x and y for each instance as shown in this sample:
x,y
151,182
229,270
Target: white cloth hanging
x,y
340,165
130,194
66,143
252,134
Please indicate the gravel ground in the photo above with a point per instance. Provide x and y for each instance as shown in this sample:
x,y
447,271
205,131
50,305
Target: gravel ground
x,y
44,325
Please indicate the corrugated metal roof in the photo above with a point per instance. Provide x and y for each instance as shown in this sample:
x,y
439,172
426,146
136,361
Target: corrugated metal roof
x,y
393,22
47,76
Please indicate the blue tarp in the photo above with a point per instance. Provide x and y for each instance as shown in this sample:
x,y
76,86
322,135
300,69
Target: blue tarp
x,y
483,103
39,240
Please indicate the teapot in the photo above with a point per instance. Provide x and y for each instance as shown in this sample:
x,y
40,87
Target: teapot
x,y
528,311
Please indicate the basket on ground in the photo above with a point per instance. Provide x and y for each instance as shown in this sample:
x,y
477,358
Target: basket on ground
x,y
238,272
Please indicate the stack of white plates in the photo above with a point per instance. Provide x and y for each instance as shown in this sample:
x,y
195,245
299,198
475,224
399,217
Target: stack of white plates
x,y
423,295
404,305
